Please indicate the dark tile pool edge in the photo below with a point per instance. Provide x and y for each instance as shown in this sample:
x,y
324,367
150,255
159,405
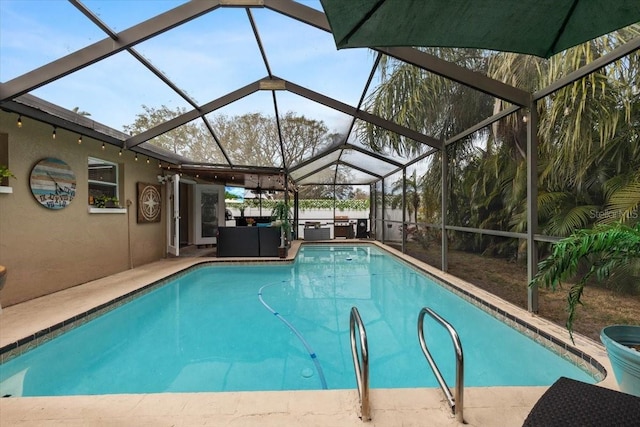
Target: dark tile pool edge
x,y
16,348
565,350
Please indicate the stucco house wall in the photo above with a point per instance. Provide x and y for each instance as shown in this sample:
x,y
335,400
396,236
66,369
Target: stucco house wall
x,y
47,250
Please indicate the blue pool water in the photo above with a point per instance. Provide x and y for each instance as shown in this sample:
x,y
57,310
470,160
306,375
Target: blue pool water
x,y
284,327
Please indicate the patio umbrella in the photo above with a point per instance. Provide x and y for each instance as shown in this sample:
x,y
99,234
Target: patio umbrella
x,y
536,27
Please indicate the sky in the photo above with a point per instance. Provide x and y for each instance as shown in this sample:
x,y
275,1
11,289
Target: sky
x,y
207,58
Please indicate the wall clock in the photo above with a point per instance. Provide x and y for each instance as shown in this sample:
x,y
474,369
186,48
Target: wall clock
x,y
53,183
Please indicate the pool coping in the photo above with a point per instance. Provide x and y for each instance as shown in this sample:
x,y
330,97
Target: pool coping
x,y
585,353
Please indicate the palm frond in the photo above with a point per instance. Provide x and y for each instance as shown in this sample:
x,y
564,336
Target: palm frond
x,y
606,247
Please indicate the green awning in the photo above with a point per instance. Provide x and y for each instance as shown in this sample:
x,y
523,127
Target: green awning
x,y
536,27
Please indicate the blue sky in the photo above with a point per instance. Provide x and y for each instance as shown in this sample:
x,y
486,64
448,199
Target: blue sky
x,y
207,58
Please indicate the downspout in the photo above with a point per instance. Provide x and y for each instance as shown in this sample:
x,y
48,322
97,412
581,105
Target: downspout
x,y
129,203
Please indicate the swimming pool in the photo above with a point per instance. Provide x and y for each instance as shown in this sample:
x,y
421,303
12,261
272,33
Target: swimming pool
x,y
285,327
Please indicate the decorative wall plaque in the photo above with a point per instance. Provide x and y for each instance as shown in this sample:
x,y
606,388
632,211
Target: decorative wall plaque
x,y
149,203
53,183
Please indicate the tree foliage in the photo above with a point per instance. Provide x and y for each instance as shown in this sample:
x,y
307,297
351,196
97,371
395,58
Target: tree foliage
x,y
605,248
247,140
589,141
190,140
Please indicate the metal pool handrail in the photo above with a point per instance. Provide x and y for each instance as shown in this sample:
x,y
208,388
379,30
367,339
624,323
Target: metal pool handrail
x,y
457,402
362,369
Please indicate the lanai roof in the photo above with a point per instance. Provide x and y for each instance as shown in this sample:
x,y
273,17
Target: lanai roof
x,y
217,57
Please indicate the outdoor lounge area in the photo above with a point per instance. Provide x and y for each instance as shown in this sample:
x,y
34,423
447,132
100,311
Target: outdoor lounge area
x,y
248,241
463,142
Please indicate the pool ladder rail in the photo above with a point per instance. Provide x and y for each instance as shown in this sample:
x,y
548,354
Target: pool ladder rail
x,y
361,368
456,403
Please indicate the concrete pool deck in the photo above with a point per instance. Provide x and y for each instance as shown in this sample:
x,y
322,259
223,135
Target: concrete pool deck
x,y
483,406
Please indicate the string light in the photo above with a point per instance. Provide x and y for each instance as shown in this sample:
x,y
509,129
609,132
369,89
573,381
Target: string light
x,y
103,147
148,161
19,121
80,139
159,164
120,152
136,157
53,135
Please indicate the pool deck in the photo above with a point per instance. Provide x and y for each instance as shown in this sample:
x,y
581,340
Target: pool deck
x,y
483,406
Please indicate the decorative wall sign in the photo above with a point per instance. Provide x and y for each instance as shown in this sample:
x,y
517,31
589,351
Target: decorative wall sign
x,y
53,183
149,203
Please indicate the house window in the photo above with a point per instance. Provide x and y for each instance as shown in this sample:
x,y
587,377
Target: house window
x,y
103,180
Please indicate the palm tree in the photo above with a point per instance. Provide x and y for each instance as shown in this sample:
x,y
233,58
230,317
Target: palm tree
x,y
589,136
423,101
604,249
412,195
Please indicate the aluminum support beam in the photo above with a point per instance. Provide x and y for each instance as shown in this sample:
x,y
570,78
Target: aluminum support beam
x,y
532,205
404,210
458,74
300,12
614,55
363,115
383,208
486,122
487,232
338,163
104,48
358,168
346,146
193,114
443,213
410,55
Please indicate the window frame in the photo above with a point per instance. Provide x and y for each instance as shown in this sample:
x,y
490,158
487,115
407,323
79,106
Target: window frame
x,y
115,185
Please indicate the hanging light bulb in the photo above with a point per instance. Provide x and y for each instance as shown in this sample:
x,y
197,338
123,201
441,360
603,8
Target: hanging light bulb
x,y
19,121
53,135
120,152
159,164
148,161
103,147
136,157
80,139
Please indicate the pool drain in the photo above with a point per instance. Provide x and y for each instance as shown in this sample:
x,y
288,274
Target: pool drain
x,y
307,372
